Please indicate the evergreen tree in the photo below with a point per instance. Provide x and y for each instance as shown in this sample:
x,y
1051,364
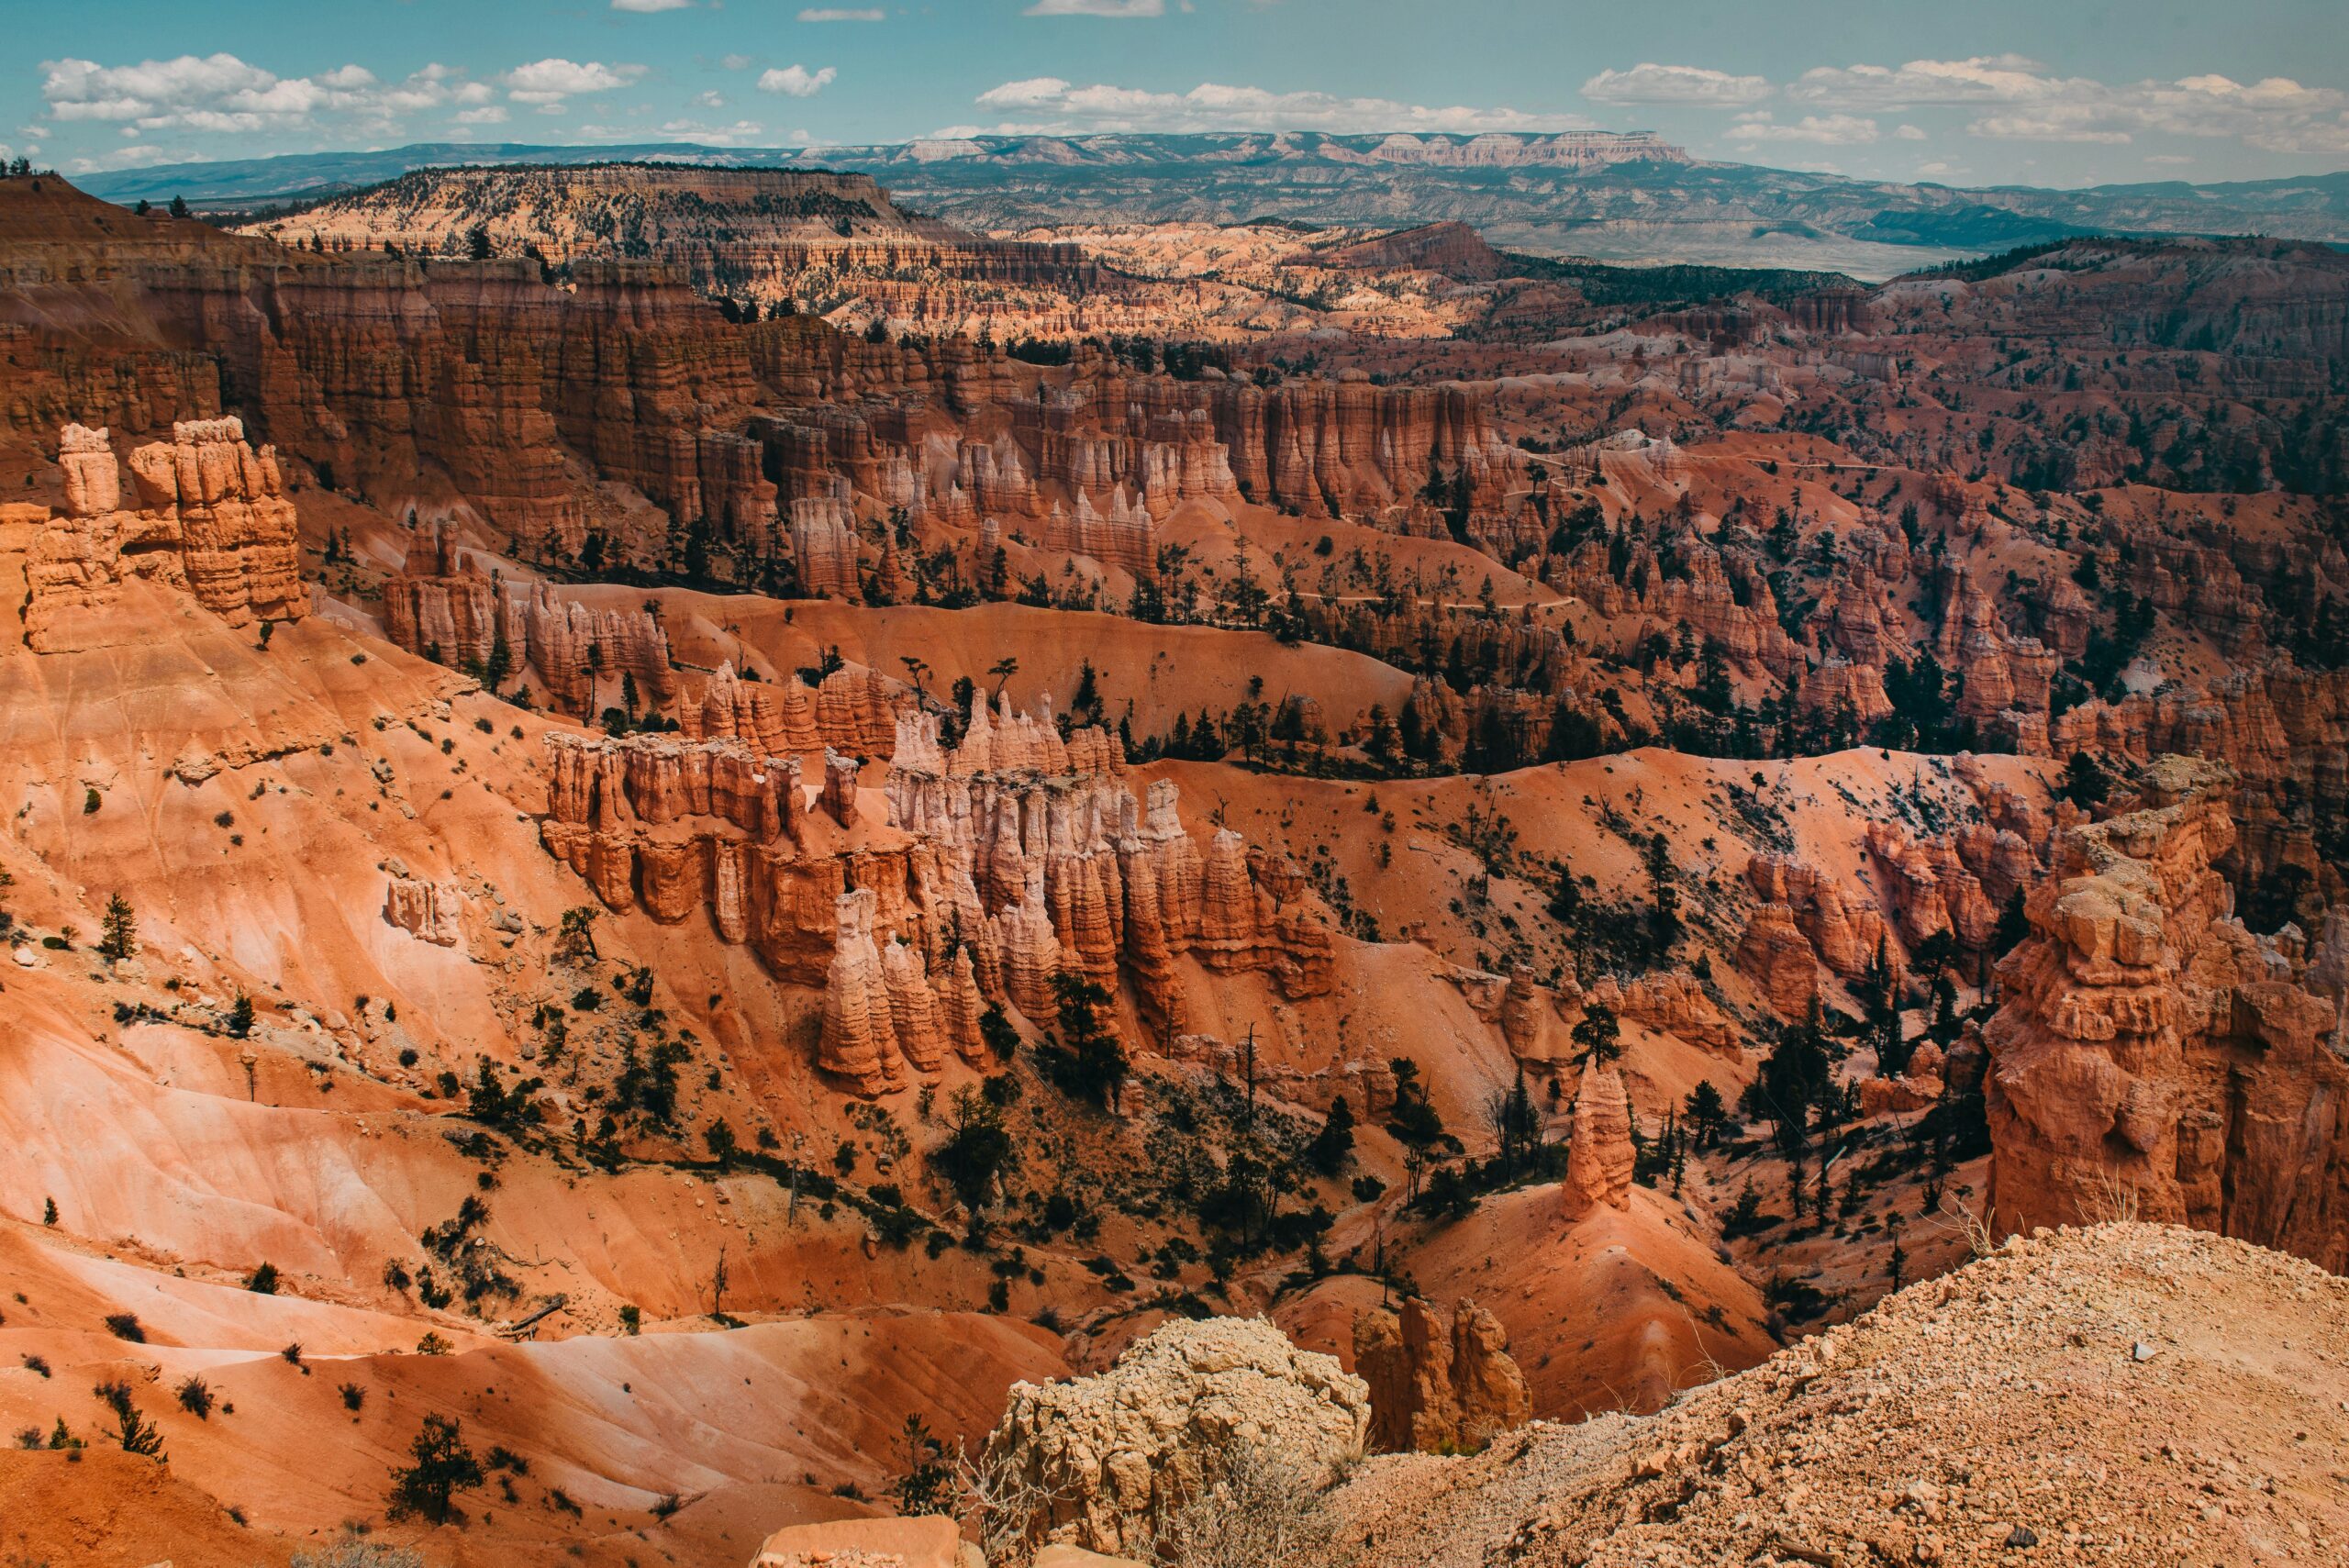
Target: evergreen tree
x,y
120,929
445,1466
1598,1034
1334,1144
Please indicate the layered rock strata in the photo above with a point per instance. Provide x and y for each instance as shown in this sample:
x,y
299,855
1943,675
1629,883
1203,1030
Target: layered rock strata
x,y
2152,1055
207,517
1006,862
1436,1387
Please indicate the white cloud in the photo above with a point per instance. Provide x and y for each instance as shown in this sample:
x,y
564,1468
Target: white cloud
x,y
1052,105
1983,78
2020,99
220,93
1650,83
547,82
737,61
797,81
649,6
735,135
842,14
1910,133
1096,8
710,100
490,114
1822,130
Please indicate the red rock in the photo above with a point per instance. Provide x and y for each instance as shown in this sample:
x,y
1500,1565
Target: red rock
x,y
2150,1051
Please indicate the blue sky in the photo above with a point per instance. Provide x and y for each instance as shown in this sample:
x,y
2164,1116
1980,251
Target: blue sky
x,y
2046,92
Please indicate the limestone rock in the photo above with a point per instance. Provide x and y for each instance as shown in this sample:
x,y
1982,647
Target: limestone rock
x,y
860,1037
2151,1050
211,520
1600,1160
1111,1450
1777,956
1433,1390
429,911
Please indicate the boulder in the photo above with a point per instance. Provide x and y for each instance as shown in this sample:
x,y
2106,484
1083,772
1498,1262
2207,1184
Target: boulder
x,y
1110,1453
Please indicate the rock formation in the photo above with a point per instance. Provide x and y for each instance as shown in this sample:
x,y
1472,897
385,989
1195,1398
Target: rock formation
x,y
210,518
1777,957
1109,1453
429,911
1600,1160
2153,1054
442,606
1432,1390
992,876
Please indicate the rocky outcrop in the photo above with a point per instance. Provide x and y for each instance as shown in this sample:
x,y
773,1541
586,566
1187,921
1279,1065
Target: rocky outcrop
x,y
1599,1159
208,517
590,658
2152,1053
824,549
983,883
1777,956
429,911
1110,1454
441,605
1845,939
1433,1390
854,711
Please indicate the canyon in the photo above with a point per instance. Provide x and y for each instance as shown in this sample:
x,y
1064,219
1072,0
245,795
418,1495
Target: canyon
x,y
806,866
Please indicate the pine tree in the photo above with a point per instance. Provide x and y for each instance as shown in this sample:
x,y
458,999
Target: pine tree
x,y
1334,1144
120,927
1599,1035
445,1466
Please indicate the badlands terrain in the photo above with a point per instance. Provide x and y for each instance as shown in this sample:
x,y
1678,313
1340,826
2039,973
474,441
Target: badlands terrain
x,y
677,838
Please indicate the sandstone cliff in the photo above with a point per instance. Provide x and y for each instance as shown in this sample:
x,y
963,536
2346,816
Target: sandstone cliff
x,y
1435,1389
208,518
2153,1055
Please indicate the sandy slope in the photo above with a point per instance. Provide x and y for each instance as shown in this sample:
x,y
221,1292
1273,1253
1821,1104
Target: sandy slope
x,y
2137,1395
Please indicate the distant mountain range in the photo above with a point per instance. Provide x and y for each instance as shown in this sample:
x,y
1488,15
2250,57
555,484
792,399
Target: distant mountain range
x,y
1622,197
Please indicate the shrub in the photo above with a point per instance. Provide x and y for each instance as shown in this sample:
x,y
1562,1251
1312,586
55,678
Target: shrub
x,y
354,1397
195,1398
126,1326
443,1467
137,1434
262,1281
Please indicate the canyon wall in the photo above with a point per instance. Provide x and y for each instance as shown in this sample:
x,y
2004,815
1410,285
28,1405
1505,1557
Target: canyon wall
x,y
1011,859
207,517
2152,1053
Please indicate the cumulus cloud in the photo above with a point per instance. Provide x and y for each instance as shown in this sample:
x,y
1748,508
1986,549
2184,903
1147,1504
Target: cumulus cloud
x,y
797,81
735,135
1096,8
649,6
1650,83
2017,98
1820,130
1051,104
547,82
221,93
842,14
